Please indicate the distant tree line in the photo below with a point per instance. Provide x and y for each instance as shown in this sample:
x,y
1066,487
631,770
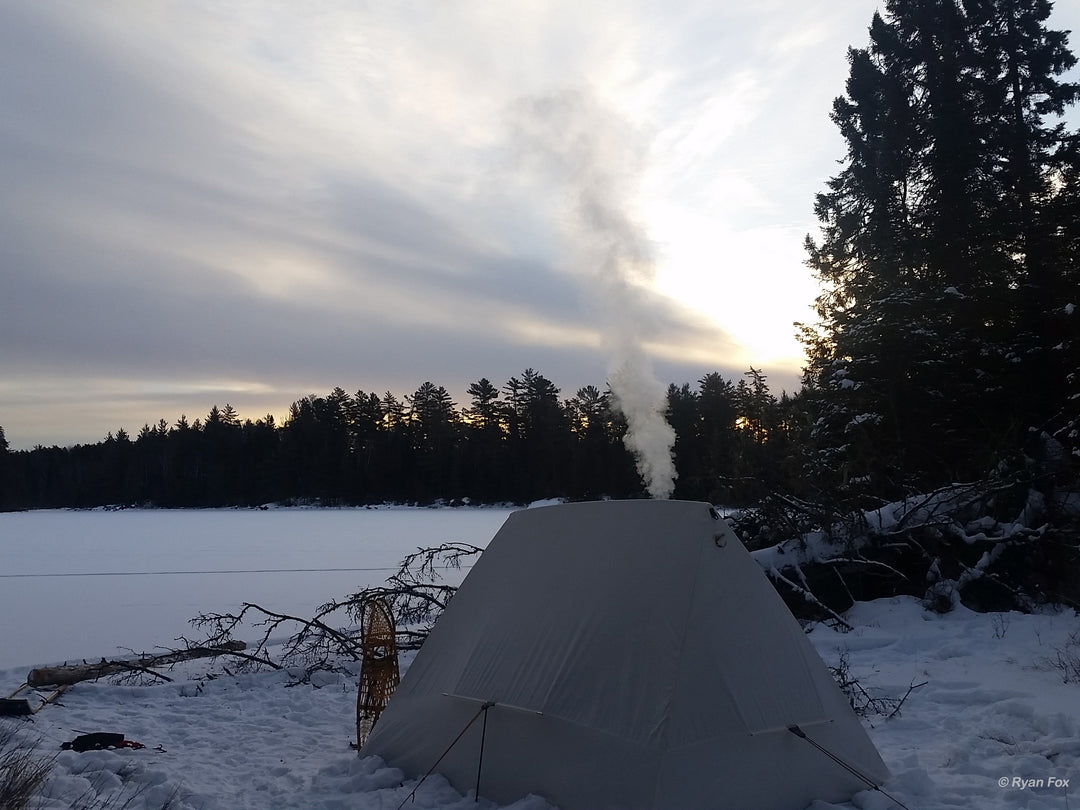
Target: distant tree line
x,y
514,444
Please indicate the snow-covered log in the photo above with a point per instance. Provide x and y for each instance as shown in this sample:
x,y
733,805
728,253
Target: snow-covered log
x,y
955,545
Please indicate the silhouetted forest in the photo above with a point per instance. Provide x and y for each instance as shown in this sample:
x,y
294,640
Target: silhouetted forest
x,y
514,444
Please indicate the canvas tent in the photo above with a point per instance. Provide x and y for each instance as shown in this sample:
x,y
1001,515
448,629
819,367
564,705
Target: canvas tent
x,y
633,655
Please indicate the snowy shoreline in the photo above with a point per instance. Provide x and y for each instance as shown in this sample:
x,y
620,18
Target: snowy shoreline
x,y
993,711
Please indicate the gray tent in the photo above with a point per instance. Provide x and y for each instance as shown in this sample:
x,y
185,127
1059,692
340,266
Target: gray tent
x,y
632,655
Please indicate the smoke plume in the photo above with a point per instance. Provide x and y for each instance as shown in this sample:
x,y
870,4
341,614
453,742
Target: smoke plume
x,y
594,159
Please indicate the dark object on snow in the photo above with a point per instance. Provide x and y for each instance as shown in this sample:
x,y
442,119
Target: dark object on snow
x,y
14,707
20,707
99,740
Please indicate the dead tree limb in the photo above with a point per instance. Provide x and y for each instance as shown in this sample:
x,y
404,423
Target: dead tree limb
x,y
311,643
74,673
911,688
809,596
415,593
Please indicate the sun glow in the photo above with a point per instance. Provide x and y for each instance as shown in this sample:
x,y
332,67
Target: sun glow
x,y
751,282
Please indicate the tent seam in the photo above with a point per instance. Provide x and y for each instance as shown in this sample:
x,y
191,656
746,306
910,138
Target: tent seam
x,y
669,698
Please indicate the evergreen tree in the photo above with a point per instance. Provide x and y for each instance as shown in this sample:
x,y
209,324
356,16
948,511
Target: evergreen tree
x,y
484,411
8,497
717,415
229,416
394,476
221,449
936,245
315,447
601,463
538,435
151,465
683,414
433,429
485,450
364,420
261,454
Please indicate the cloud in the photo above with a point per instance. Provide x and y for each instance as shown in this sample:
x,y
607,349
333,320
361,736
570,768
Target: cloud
x,y
251,202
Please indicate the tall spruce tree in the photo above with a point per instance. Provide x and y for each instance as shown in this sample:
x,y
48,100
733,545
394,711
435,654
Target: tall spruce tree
x,y
433,427
943,247
485,446
7,497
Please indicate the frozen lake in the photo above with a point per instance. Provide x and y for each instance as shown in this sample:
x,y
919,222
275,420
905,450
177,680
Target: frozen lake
x,y
92,584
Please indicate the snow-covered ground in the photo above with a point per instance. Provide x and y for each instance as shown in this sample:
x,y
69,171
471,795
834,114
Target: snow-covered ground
x,y
992,726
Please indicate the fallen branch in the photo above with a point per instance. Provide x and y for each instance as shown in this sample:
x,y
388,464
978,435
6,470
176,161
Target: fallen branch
x,y
911,688
415,594
808,595
313,643
862,702
74,673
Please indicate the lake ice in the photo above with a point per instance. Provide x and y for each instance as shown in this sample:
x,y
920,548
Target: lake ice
x,y
98,583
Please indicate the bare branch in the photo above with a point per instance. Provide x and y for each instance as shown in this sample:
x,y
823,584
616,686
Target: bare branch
x,y
415,593
808,595
911,688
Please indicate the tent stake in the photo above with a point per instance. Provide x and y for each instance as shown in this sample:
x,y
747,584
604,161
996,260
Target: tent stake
x,y
798,732
483,736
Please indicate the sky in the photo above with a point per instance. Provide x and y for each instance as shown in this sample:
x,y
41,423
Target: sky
x,y
248,202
